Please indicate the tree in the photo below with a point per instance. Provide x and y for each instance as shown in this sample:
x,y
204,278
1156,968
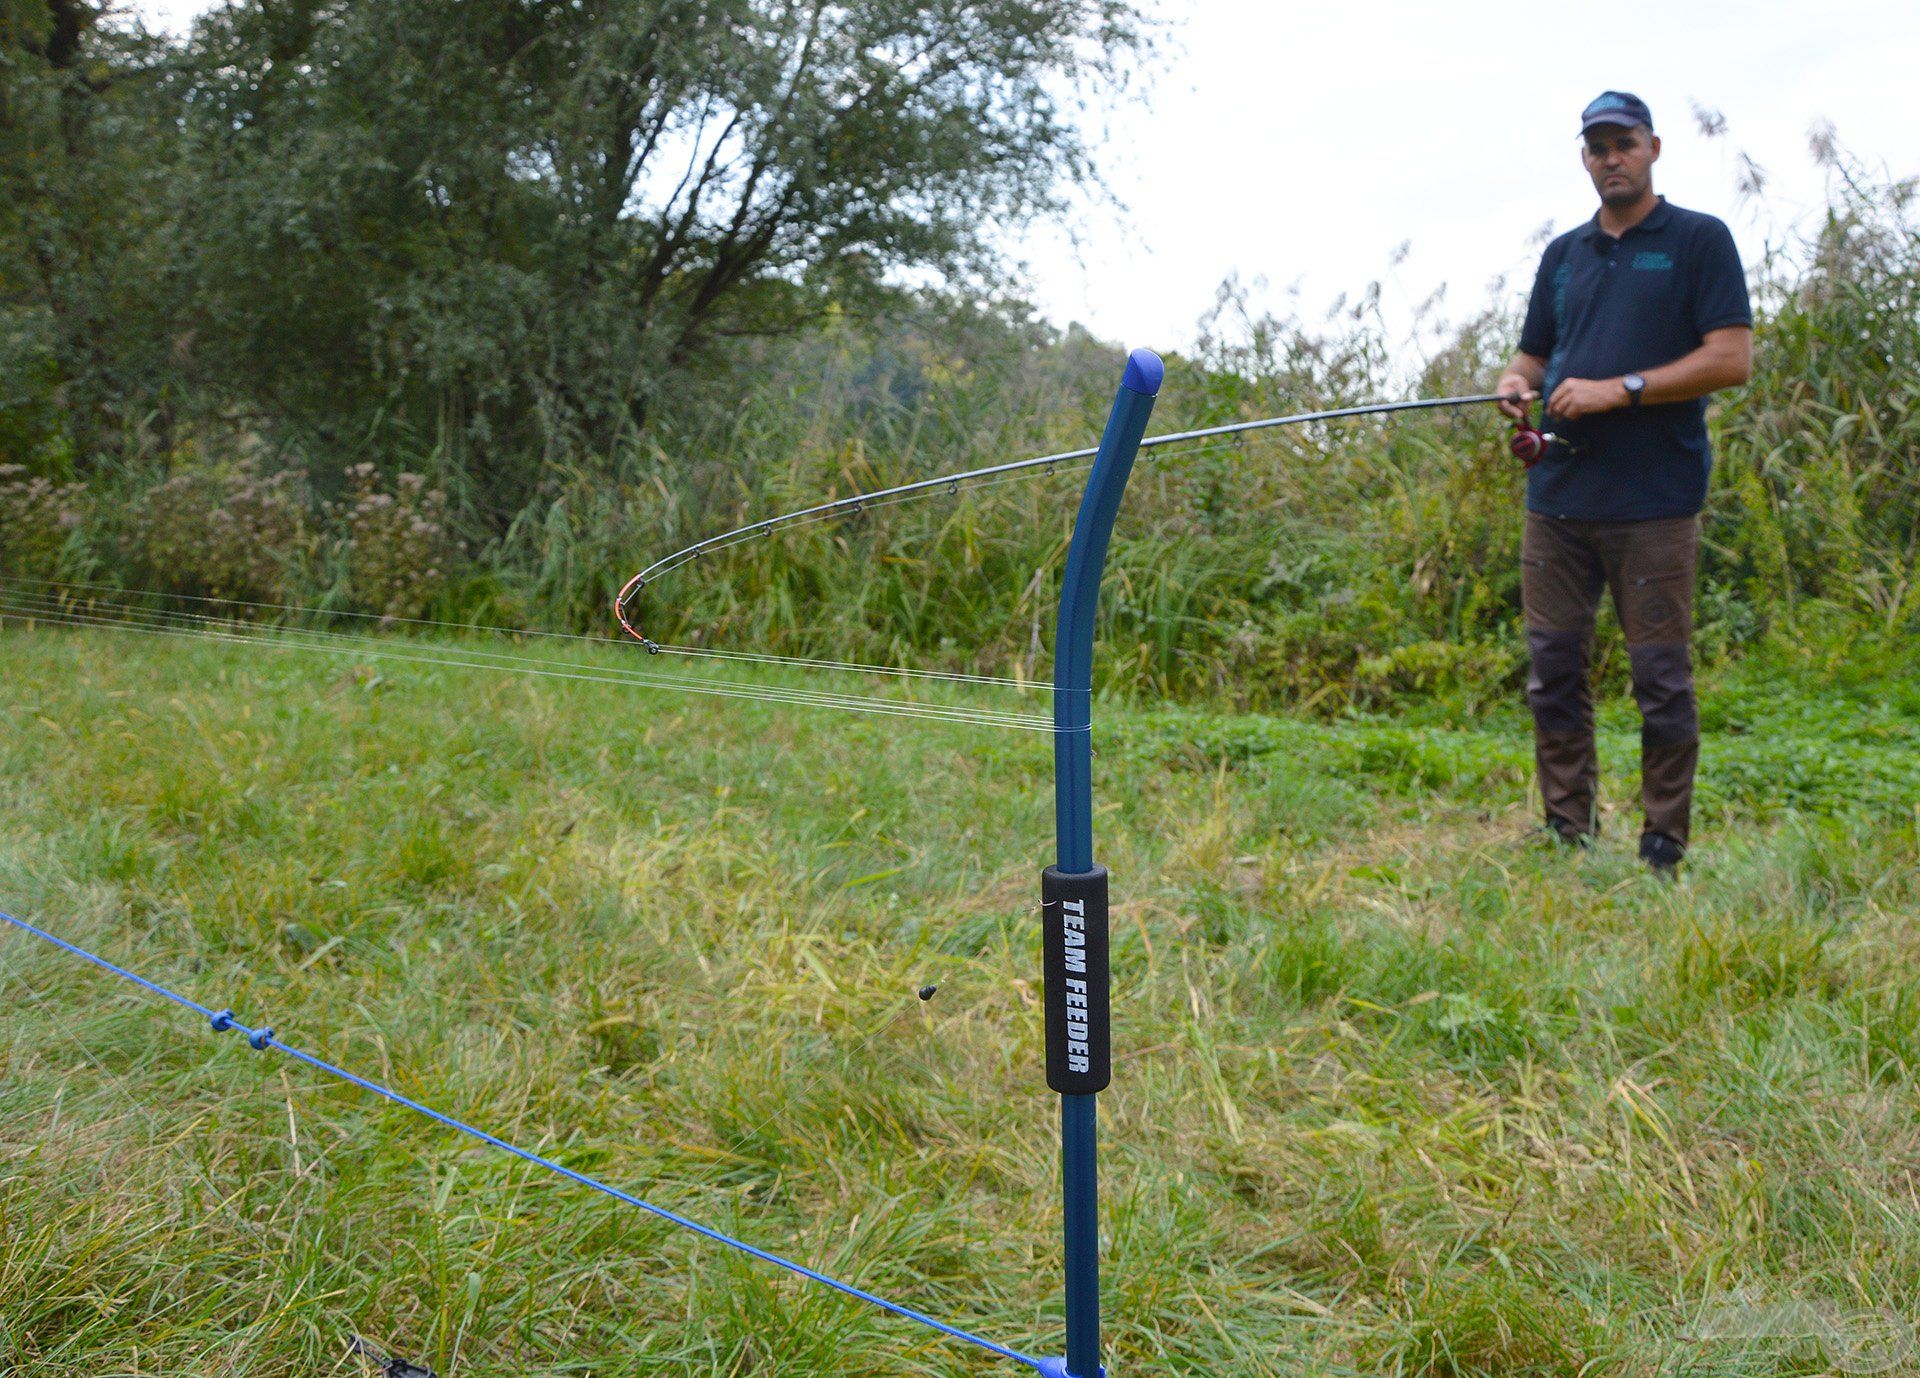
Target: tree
x,y
511,227
85,297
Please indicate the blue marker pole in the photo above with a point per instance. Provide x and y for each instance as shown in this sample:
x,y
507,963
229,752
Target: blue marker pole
x,y
1074,890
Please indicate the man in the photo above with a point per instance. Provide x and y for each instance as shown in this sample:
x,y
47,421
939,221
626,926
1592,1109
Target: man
x,y
1636,317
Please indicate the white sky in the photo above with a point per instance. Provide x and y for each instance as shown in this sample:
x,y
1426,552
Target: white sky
x,y
1300,144
1297,145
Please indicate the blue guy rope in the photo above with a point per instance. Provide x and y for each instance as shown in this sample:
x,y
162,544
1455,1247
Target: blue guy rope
x,y
262,1038
1073,891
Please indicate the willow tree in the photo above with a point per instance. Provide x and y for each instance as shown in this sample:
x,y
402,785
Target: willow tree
x,y
507,227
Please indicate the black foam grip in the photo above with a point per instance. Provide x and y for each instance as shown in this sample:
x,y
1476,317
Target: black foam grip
x,y
1073,924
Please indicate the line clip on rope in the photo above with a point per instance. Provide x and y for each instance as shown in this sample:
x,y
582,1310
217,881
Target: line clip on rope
x,y
259,1039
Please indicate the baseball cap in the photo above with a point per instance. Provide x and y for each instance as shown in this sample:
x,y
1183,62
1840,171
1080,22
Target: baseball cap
x,y
1615,107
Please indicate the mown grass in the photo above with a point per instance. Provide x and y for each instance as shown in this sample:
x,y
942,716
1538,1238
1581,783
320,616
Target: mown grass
x,y
1400,1091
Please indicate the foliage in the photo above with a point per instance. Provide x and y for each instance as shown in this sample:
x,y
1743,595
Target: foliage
x,y
502,231
1354,567
228,533
398,549
1347,568
90,281
329,296
37,518
1820,487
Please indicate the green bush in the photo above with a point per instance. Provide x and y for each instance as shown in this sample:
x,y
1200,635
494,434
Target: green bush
x,y
231,532
37,519
397,546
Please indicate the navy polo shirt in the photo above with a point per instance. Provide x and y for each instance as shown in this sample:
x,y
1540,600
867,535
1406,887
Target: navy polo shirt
x,y
1603,307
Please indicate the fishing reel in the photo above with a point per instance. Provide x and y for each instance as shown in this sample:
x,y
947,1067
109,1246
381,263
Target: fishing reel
x,y
1530,444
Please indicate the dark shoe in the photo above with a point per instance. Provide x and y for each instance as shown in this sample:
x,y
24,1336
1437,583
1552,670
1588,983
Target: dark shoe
x,y
1567,834
1661,853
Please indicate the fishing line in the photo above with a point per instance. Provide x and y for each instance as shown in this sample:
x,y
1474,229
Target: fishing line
x,y
125,601
1186,451
935,713
382,618
126,597
1021,471
905,672
860,505
954,487
1177,445
337,643
320,638
625,644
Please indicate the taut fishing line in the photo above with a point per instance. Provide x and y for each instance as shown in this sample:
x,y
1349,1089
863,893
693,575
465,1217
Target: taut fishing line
x,y
103,614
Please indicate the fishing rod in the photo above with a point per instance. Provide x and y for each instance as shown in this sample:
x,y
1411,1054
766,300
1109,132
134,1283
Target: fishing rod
x,y
1528,444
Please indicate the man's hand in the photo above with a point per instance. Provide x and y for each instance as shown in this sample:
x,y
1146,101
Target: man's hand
x,y
1516,385
1578,397
1521,381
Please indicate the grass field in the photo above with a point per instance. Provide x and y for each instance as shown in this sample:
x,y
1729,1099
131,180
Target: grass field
x,y
1400,1089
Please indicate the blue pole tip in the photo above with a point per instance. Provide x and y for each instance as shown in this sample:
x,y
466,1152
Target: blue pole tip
x,y
1144,373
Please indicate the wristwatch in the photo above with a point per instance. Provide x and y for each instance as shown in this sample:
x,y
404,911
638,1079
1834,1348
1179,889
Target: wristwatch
x,y
1635,385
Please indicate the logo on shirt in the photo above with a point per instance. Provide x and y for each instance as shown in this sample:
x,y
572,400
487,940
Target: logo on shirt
x,y
1561,277
1652,261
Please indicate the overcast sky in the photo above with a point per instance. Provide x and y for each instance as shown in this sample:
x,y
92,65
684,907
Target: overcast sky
x,y
1299,145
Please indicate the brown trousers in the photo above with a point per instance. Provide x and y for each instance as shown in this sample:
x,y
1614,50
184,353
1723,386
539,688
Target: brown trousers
x,y
1650,567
